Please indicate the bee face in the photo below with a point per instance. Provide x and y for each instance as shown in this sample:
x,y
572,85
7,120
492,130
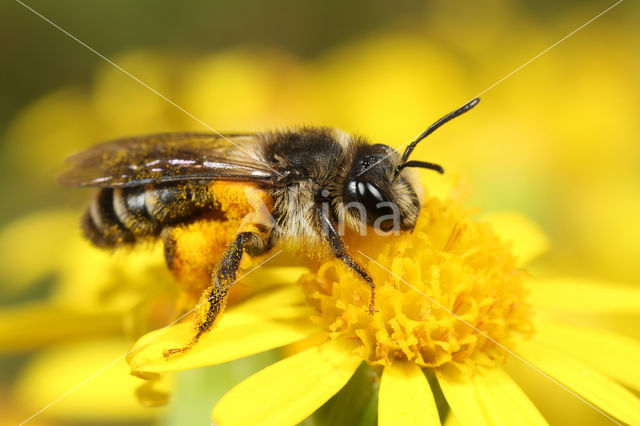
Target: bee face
x,y
377,193
377,186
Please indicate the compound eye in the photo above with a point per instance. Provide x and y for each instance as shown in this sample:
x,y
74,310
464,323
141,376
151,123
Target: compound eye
x,y
373,200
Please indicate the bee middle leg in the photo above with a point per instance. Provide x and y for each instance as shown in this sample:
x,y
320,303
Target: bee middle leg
x,y
214,298
332,236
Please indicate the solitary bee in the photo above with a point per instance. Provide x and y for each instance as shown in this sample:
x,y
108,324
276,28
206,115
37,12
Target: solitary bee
x,y
311,179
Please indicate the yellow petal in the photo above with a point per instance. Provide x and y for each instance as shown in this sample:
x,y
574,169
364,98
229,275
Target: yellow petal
x,y
615,355
313,340
451,186
527,239
405,397
503,399
105,395
116,281
275,275
593,386
460,393
281,296
240,333
37,324
290,390
155,389
49,244
35,246
585,296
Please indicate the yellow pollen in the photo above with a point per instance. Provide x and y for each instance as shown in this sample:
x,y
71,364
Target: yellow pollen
x,y
456,262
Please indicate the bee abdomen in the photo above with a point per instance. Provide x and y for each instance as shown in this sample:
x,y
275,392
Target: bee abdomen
x,y
131,210
101,224
124,216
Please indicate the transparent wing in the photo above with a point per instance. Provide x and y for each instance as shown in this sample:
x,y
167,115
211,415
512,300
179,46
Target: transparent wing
x,y
168,157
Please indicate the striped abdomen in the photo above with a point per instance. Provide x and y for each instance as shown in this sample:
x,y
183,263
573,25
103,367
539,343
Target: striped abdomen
x,y
118,216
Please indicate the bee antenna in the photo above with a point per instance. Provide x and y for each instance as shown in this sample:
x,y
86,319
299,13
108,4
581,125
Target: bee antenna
x,y
423,164
435,126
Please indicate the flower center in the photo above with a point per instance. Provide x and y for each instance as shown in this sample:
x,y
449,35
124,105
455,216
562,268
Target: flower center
x,y
446,292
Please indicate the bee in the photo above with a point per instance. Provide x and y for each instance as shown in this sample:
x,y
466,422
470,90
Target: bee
x,y
313,179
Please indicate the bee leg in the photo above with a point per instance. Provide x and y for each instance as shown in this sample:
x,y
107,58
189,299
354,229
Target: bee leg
x,y
332,236
214,298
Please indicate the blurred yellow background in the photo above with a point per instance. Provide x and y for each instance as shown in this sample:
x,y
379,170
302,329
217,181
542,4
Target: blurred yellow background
x,y
557,141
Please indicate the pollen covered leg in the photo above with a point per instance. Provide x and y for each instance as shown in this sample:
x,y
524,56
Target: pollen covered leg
x,y
348,260
214,299
337,248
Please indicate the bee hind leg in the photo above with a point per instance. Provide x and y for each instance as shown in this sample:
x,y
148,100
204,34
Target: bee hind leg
x,y
332,236
214,298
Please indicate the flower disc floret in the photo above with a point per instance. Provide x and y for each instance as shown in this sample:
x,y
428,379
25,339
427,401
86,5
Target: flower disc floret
x,y
445,292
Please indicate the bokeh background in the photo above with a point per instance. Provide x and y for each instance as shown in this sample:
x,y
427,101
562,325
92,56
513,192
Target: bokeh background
x,y
557,141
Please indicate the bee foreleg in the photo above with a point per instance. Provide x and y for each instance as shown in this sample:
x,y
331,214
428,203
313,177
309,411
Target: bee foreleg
x,y
336,244
214,298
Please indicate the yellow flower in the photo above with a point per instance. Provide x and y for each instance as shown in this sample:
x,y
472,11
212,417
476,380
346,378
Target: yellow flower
x,y
452,302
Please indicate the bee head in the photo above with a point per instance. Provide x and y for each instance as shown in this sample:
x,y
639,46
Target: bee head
x,y
378,189
376,193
